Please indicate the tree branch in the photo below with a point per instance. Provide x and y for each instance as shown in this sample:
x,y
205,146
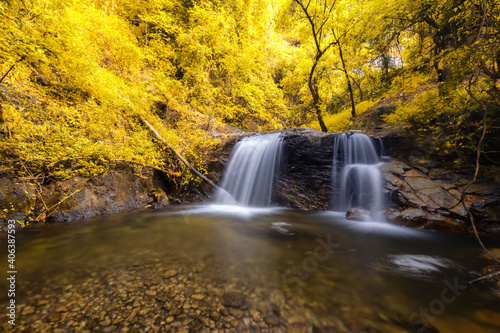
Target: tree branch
x,y
476,172
5,75
489,276
311,22
11,68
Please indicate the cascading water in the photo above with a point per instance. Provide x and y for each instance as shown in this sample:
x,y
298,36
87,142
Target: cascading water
x,y
248,178
356,174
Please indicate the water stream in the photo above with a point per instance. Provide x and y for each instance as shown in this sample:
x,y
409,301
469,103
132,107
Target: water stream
x,y
172,268
356,174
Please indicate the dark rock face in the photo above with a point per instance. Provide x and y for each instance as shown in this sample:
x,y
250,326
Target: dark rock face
x,y
304,181
122,188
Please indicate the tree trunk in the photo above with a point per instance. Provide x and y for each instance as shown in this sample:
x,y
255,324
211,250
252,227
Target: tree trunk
x,y
320,119
349,87
315,96
385,69
361,95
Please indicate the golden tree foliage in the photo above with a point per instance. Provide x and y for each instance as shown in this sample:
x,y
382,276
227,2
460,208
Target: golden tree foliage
x,y
78,74
80,80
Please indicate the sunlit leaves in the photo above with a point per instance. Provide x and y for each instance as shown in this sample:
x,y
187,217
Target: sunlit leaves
x,y
84,70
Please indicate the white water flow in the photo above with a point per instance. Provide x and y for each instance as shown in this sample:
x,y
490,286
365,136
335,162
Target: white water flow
x,y
356,175
249,176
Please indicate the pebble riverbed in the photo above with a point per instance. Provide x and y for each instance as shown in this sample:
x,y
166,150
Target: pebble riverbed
x,y
175,297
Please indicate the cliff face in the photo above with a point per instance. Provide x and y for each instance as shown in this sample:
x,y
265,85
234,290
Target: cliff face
x,y
305,178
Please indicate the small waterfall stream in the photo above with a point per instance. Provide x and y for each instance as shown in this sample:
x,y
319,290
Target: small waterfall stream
x,y
356,174
248,177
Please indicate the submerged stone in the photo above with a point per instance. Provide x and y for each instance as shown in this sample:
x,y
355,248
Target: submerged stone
x,y
233,299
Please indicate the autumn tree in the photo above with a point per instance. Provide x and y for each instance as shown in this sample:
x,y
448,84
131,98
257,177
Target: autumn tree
x,y
317,15
346,19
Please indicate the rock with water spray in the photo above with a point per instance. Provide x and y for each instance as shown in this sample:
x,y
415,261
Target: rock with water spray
x,y
356,214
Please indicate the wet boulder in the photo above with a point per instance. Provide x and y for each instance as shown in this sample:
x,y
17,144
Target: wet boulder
x,y
356,214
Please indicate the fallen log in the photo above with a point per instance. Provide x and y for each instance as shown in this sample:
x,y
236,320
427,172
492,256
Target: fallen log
x,y
179,156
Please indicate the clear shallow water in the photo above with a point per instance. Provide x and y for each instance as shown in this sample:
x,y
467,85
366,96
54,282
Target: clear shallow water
x,y
316,269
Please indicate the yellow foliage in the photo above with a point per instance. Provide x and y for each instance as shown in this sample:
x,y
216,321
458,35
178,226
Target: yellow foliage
x,y
338,122
427,107
82,73
98,82
363,106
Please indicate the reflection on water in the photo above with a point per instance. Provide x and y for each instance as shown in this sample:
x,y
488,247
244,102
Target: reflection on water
x,y
174,266
416,266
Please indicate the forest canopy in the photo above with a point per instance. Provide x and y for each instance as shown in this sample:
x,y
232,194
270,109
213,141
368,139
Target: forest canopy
x,y
77,76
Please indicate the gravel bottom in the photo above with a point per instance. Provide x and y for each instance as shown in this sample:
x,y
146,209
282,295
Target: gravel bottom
x,y
177,297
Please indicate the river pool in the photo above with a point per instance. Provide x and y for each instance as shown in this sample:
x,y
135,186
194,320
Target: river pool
x,y
232,269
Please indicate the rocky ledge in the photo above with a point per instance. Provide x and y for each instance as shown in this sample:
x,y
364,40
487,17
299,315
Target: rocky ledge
x,y
419,192
426,192
428,197
122,188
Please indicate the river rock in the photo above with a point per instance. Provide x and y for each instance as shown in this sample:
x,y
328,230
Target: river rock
x,y
236,312
233,299
272,320
54,316
170,273
298,328
356,214
198,297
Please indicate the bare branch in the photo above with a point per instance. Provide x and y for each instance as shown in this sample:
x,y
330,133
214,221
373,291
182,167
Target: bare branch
x,y
489,276
5,75
11,68
311,22
476,172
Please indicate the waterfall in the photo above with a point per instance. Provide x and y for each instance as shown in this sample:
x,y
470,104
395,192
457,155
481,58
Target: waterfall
x,y
249,176
356,174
